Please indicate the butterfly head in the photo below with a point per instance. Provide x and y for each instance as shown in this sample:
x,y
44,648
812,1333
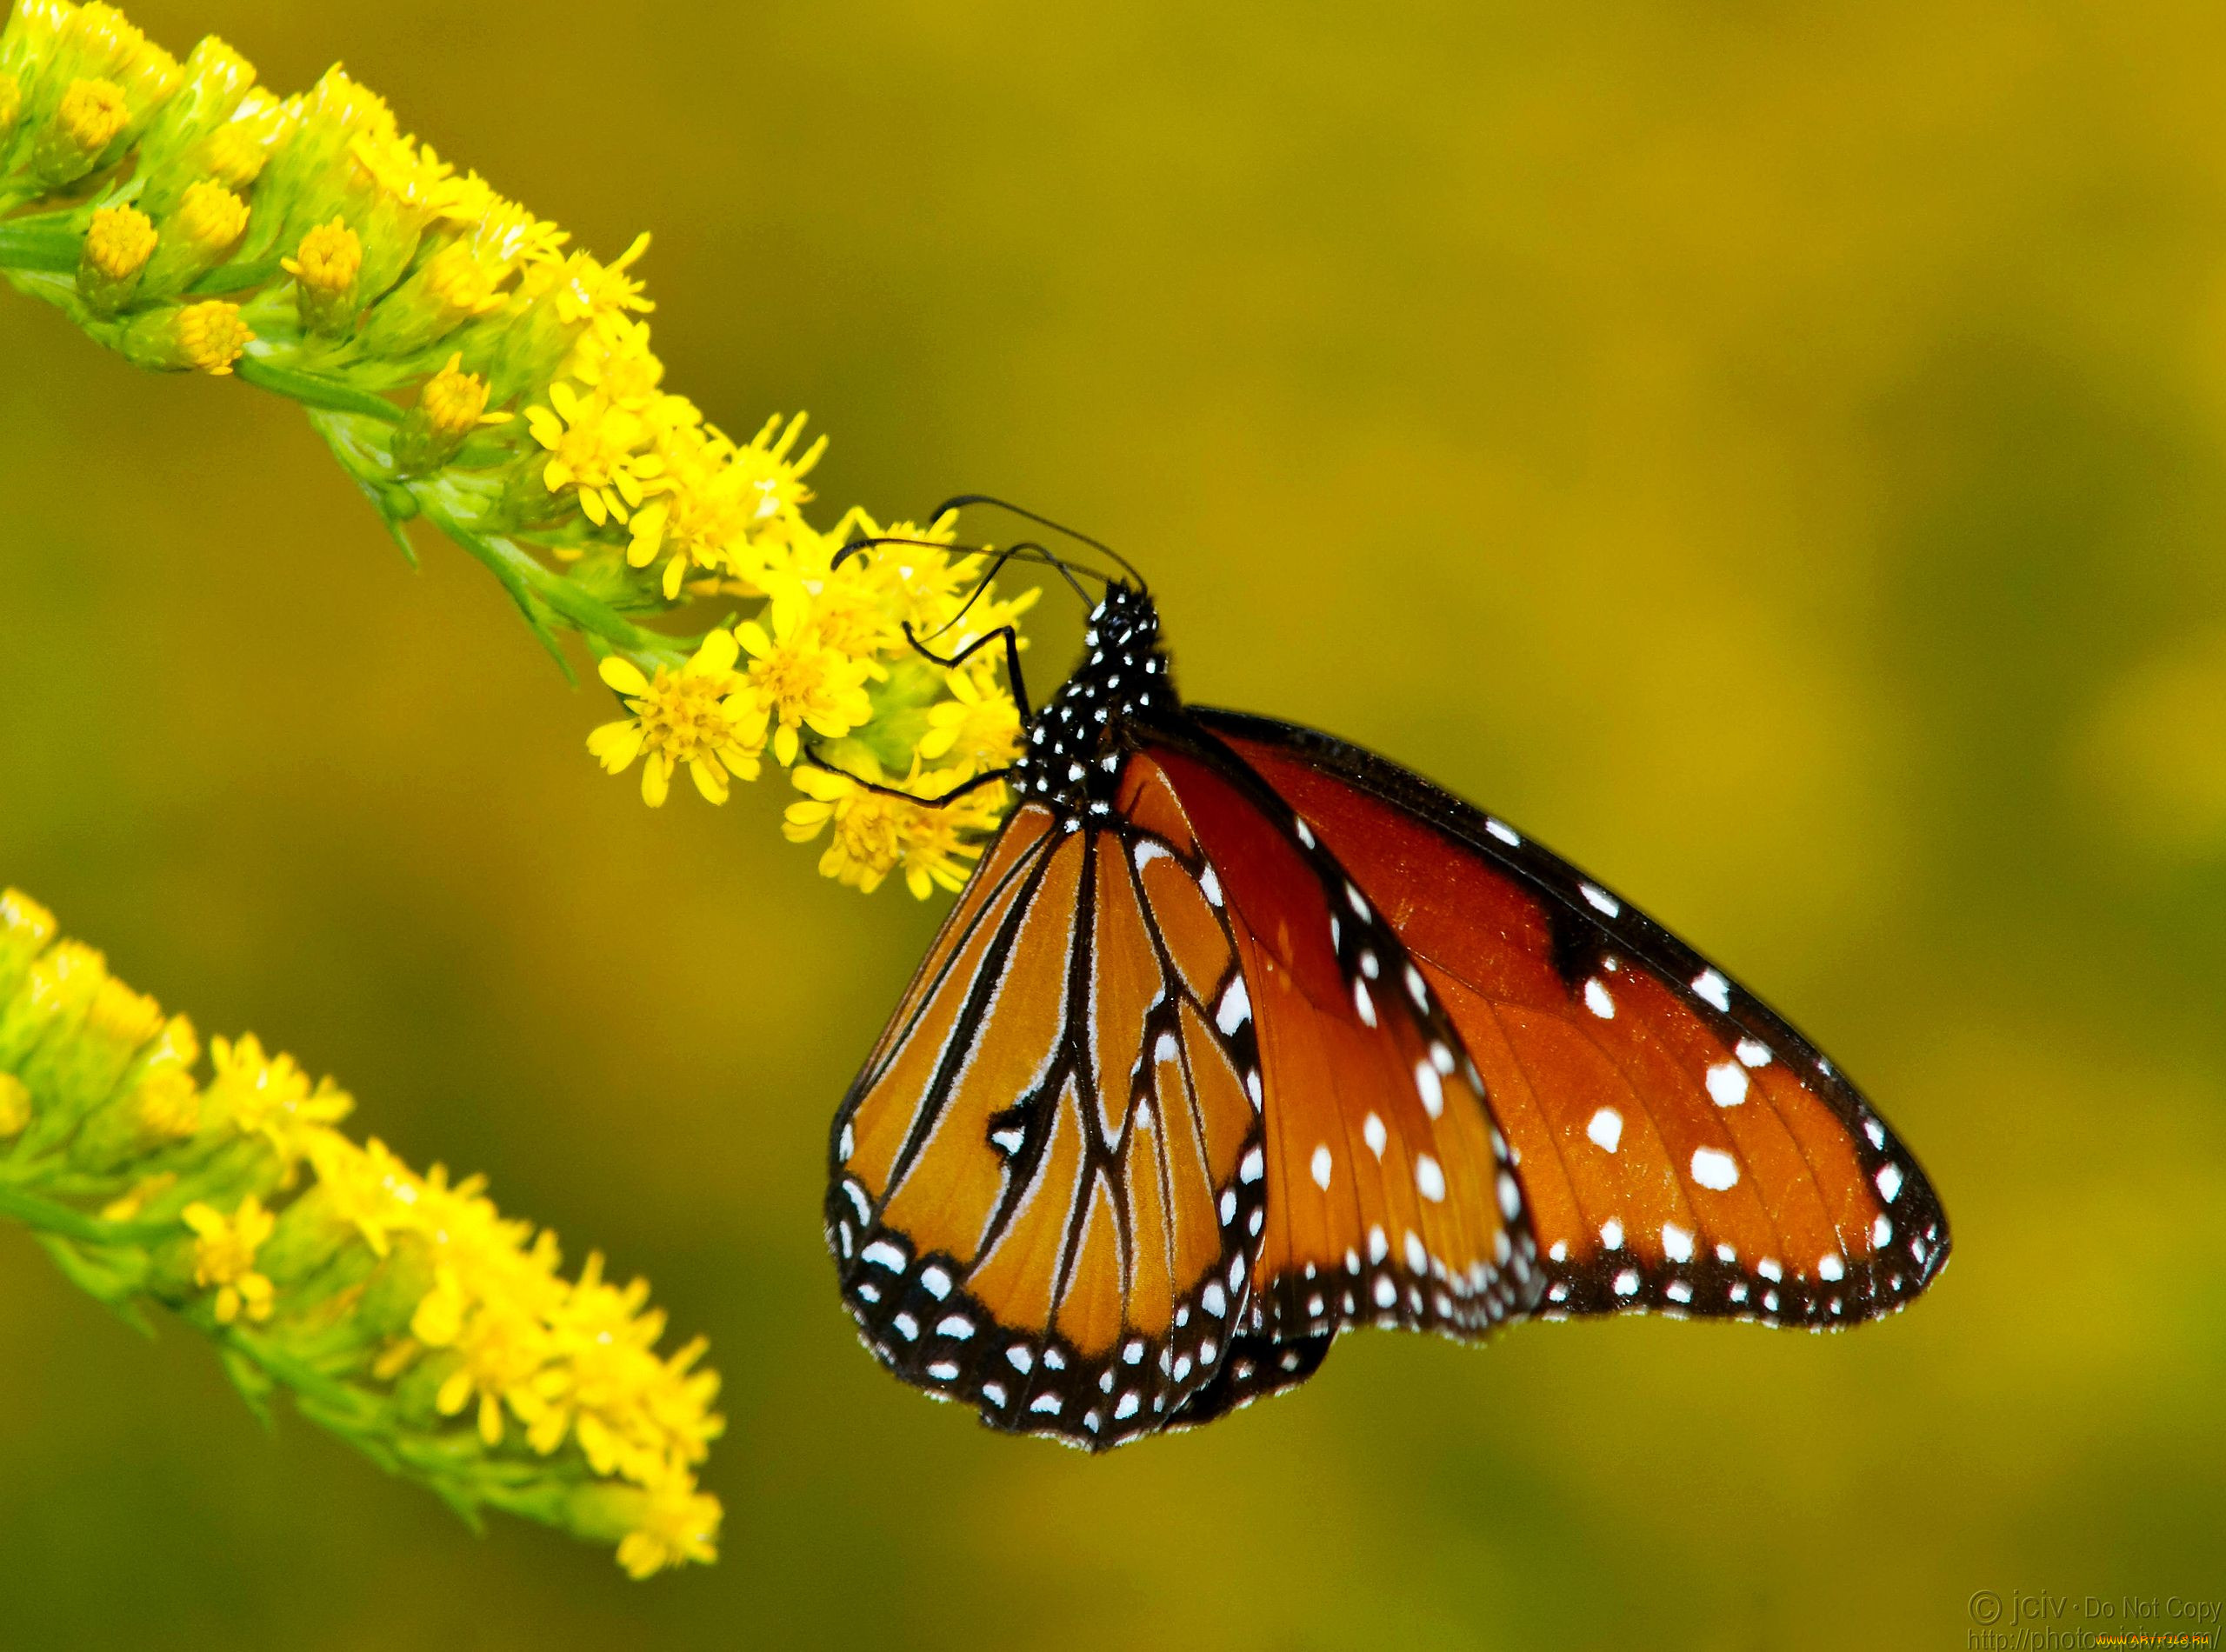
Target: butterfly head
x,y
1077,743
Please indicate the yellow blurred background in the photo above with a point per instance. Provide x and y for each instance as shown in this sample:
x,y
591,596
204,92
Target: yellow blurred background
x,y
1775,454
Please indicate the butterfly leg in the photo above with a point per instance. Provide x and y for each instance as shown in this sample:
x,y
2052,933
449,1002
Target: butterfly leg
x,y
812,756
1007,635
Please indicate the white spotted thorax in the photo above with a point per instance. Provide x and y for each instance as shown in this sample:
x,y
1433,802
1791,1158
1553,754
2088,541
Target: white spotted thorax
x,y
1073,758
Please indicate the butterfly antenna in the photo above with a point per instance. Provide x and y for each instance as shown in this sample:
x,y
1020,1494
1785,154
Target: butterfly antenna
x,y
1026,551
959,502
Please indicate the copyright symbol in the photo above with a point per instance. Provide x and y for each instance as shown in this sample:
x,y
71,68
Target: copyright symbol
x,y
1986,1607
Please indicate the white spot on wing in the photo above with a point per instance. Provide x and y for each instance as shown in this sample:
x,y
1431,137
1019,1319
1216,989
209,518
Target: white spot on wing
x,y
1209,886
1611,1233
1677,1243
1427,1085
1890,1181
1752,1053
1727,1084
1597,1000
1429,1178
1236,1008
1505,833
1599,900
1713,1167
1321,1165
1373,1133
1711,985
1363,1003
1606,1129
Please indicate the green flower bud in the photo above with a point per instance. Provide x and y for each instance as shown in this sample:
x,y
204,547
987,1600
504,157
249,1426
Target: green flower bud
x,y
326,267
208,224
117,247
204,338
453,405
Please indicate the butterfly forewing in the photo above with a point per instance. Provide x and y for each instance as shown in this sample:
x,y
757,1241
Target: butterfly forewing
x,y
1037,1198
1681,1148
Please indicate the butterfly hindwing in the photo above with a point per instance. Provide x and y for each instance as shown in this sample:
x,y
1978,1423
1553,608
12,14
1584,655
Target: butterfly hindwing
x,y
1390,1195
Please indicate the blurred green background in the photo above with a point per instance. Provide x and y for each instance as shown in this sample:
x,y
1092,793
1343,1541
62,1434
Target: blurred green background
x,y
1775,454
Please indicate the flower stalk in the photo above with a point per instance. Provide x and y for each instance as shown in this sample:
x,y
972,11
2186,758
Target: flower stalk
x,y
469,369
400,1311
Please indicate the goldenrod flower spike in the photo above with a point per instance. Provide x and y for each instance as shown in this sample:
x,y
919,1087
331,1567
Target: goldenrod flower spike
x,y
469,370
401,1311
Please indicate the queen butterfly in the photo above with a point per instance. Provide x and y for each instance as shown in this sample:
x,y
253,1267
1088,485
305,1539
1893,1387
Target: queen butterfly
x,y
1241,1036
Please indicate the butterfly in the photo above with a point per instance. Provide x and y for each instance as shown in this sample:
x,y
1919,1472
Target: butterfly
x,y
1241,1036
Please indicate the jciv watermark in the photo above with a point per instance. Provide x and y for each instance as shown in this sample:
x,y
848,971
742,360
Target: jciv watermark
x,y
2017,1621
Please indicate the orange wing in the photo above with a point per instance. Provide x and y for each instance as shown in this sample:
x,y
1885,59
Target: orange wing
x,y
1680,1147
1391,1197
1046,1184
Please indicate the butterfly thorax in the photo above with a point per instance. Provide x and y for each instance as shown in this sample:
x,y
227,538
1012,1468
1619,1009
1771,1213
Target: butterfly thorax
x,y
1077,741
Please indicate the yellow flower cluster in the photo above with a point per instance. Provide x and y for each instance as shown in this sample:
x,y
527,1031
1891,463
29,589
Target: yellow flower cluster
x,y
408,1313
471,370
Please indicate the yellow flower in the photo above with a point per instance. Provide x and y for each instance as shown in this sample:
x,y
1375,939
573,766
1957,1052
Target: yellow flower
x,y
464,282
704,715
614,358
211,218
211,336
874,834
452,405
169,1105
456,402
501,1345
91,113
14,1106
328,258
679,1524
801,681
126,1018
370,1189
978,727
271,1097
589,290
595,448
119,243
224,1255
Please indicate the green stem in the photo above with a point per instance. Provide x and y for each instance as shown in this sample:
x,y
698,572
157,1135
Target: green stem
x,y
515,565
47,1217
